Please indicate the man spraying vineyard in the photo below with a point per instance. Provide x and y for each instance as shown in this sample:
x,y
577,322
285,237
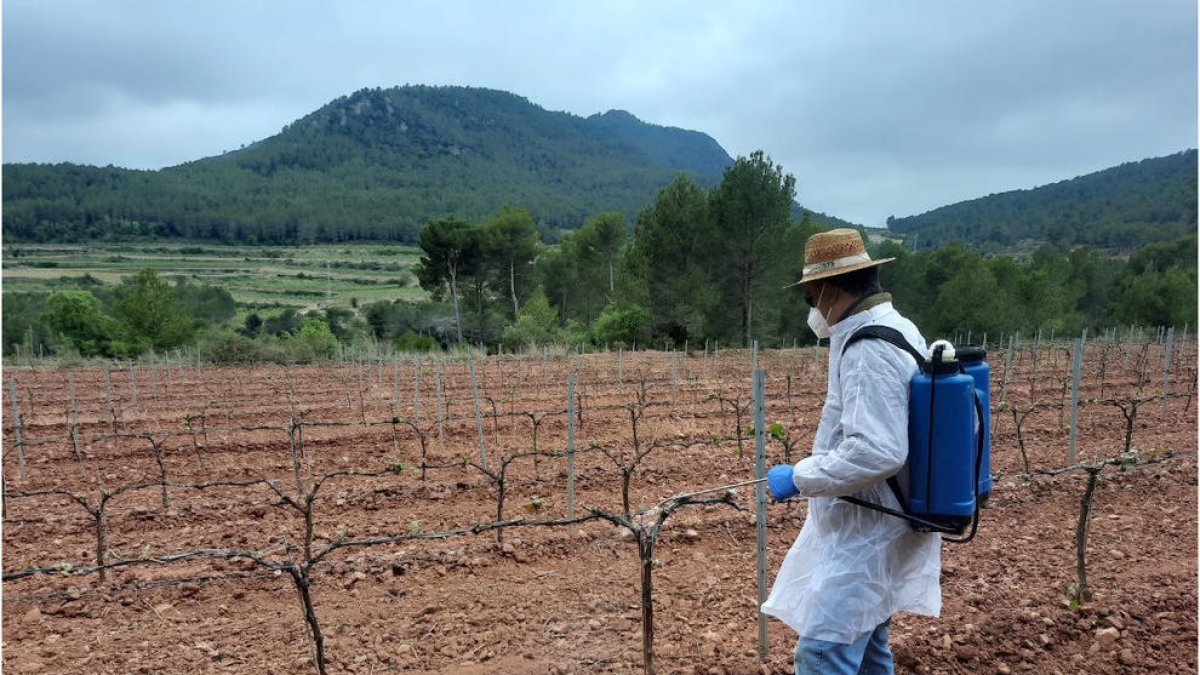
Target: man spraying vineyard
x,y
851,568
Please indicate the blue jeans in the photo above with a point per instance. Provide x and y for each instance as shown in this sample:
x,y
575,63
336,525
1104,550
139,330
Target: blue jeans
x,y
868,655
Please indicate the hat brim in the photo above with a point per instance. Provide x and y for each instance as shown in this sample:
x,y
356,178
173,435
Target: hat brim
x,y
825,274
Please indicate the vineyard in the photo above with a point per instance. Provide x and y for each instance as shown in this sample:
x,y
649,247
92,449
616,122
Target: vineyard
x,y
553,513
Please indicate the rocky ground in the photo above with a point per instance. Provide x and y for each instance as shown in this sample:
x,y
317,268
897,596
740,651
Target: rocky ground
x,y
554,599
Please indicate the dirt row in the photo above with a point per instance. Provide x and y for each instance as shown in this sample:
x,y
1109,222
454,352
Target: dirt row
x,y
554,599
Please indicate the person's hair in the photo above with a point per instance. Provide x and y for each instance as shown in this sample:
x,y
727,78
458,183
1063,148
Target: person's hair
x,y
858,283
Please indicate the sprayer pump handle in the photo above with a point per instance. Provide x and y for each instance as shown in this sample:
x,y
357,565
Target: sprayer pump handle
x,y
942,351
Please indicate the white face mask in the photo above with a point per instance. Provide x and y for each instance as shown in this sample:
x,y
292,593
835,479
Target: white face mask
x,y
817,321
818,324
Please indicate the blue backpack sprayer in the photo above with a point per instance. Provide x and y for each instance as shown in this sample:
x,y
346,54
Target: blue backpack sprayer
x,y
949,426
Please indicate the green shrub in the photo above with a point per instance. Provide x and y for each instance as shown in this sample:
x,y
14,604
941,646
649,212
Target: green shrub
x,y
147,308
415,342
536,325
226,347
628,325
578,334
314,341
79,318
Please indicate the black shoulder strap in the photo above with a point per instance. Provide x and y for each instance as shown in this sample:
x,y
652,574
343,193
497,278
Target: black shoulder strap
x,y
887,334
894,337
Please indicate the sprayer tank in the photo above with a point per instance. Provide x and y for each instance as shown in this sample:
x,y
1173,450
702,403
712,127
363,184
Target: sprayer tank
x,y
974,362
942,437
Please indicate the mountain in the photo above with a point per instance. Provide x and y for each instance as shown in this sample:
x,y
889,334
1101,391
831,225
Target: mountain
x,y
1120,208
373,165
679,149
825,220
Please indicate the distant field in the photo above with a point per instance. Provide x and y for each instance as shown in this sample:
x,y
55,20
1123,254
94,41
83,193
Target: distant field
x,y
305,277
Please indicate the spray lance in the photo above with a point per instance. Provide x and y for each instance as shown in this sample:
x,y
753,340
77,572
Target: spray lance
x,y
777,482
778,479
721,488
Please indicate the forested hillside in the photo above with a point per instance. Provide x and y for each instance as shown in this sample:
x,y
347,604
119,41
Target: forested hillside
x,y
703,266
1121,208
374,165
493,284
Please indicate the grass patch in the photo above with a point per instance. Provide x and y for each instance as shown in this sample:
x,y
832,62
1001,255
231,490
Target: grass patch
x,y
308,277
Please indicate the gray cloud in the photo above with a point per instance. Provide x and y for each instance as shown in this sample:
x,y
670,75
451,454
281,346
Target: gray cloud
x,y
877,108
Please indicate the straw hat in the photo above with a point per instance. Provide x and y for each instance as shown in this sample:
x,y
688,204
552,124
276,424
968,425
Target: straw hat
x,y
828,254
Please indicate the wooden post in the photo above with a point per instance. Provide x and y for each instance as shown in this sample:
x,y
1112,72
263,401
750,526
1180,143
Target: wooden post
x,y
441,414
112,408
171,383
706,359
12,390
674,377
760,472
478,415
1076,371
815,363
74,417
396,380
417,388
362,375
1167,369
570,451
133,388
1007,369
621,371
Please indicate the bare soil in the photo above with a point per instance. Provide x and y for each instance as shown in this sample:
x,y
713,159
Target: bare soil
x,y
559,599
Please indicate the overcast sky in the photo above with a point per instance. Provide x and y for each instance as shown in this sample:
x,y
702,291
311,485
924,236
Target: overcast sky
x,y
877,107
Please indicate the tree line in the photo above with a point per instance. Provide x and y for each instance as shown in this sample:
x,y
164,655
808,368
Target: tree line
x,y
146,314
1120,208
711,266
697,266
141,313
955,289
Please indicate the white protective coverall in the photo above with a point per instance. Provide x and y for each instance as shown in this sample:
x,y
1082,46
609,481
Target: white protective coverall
x,y
851,568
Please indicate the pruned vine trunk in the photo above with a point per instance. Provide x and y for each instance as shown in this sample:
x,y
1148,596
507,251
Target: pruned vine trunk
x,y
101,518
626,478
500,485
300,578
1082,592
162,477
646,553
1017,422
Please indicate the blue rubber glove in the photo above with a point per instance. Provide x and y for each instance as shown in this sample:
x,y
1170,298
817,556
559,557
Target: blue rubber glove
x,y
779,480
